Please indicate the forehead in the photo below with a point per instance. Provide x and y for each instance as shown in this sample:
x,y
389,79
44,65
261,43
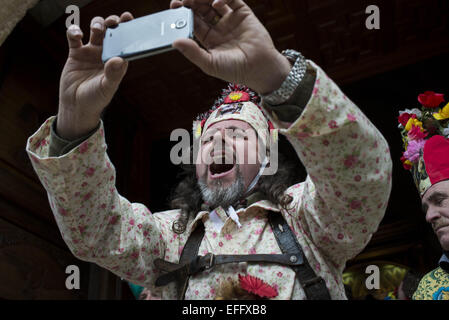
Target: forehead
x,y
441,187
230,124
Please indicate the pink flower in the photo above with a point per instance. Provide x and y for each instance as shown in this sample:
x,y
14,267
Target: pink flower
x,y
413,150
351,161
355,204
83,147
62,211
113,219
90,172
416,133
87,196
303,135
228,237
332,124
351,117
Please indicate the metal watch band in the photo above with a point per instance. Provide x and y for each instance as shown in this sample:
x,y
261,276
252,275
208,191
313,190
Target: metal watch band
x,y
291,82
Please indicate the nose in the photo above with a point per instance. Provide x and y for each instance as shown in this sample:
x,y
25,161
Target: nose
x,y
432,214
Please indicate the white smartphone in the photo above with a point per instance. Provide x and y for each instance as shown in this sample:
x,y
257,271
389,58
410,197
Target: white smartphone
x,y
148,35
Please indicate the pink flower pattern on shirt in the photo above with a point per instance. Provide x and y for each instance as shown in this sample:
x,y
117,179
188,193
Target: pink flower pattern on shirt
x,y
334,212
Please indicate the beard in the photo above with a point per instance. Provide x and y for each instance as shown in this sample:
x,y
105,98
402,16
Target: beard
x,y
218,196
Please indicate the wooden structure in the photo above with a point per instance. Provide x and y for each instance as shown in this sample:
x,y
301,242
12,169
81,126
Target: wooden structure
x,y
381,70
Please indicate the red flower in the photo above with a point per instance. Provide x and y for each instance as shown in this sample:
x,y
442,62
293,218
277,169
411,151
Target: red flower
x,y
405,165
416,133
256,286
430,99
403,118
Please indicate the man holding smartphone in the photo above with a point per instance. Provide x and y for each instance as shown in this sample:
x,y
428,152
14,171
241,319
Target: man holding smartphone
x,y
295,242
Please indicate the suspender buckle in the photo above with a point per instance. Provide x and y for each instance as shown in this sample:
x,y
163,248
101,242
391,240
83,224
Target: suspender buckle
x,y
211,260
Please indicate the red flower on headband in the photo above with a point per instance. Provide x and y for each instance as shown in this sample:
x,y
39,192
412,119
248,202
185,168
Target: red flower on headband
x,y
430,99
237,96
256,286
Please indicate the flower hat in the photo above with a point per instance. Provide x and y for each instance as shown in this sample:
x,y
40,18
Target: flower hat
x,y
237,102
425,134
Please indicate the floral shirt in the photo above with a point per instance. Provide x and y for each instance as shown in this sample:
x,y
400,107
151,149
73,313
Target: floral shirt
x,y
334,212
433,286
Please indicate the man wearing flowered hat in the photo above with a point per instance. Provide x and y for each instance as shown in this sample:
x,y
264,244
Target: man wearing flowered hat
x,y
425,134
232,224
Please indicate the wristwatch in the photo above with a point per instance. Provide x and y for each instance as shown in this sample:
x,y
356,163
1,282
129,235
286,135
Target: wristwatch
x,y
292,81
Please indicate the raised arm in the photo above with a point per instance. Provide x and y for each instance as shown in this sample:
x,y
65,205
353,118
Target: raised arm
x,y
70,159
344,197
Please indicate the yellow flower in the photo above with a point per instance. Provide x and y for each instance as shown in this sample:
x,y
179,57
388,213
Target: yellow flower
x,y
234,96
442,114
413,122
198,131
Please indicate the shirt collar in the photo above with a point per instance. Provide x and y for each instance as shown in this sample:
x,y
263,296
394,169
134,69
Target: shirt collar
x,y
444,261
256,199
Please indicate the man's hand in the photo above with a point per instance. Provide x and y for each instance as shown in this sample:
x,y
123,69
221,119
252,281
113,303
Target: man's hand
x,y
237,47
87,85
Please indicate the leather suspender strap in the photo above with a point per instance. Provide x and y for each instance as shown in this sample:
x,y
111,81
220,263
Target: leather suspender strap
x,y
201,263
313,286
191,263
189,252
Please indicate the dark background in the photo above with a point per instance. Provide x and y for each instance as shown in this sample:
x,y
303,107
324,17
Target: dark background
x,y
382,71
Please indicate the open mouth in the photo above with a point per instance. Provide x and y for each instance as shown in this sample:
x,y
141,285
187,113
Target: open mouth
x,y
221,166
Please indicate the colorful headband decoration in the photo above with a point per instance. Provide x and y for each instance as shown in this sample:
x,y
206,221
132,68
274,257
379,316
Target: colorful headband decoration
x,y
425,134
236,102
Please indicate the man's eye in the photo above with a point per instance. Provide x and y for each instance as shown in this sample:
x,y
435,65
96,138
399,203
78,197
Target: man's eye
x,y
241,135
206,139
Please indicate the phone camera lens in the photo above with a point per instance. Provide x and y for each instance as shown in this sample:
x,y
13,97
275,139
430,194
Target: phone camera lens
x,y
181,23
